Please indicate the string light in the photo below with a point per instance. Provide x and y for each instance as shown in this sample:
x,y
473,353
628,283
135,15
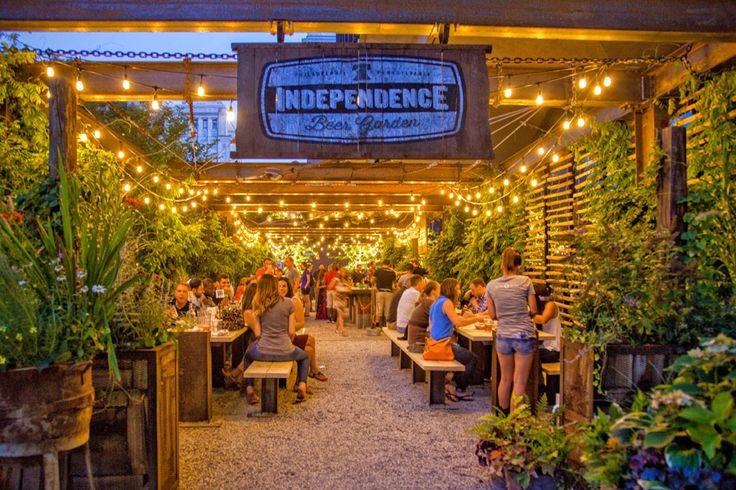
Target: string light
x,y
597,89
139,169
607,81
173,209
126,187
155,179
475,213
230,116
83,137
582,82
507,92
488,212
200,89
161,207
50,71
540,151
411,198
154,103
96,134
492,190
457,203
477,195
380,202
126,82
193,204
442,191
79,84
121,154
227,200
506,182
451,195
499,208
260,210
168,186
566,125
466,209
581,122
515,199
147,200
534,182
555,158
540,98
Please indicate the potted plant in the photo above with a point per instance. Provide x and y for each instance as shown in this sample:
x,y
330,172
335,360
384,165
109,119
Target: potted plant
x,y
523,450
682,435
60,287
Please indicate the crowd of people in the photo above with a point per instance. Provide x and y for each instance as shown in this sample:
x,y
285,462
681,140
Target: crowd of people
x,y
275,302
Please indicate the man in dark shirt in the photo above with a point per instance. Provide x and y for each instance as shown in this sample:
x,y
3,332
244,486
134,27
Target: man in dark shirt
x,y
384,281
394,307
417,269
180,304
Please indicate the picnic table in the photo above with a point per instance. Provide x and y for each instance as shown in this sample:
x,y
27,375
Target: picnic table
x,y
228,348
361,306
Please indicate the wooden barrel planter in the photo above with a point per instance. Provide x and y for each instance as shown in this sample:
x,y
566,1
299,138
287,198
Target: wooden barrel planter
x,y
45,412
134,435
626,369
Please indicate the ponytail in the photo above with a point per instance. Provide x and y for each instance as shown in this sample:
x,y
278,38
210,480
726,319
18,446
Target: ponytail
x,y
510,260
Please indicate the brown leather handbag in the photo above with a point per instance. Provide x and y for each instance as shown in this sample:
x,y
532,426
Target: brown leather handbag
x,y
438,350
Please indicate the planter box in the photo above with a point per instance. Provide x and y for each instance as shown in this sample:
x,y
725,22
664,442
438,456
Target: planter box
x,y
543,482
626,369
134,436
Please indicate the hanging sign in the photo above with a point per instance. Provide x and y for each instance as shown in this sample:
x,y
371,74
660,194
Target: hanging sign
x,y
362,101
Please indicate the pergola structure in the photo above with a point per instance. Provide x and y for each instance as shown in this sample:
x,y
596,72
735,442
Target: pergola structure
x,y
646,48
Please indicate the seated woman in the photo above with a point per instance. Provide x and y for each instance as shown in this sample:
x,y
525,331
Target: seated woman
x,y
443,321
274,326
419,321
305,342
550,321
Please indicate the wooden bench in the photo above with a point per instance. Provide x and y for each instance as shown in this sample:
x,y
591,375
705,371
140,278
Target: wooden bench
x,y
269,373
420,366
551,369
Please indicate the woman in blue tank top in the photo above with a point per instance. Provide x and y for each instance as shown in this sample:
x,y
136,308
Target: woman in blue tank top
x,y
442,322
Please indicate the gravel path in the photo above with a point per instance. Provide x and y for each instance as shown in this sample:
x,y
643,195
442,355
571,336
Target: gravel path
x,y
367,427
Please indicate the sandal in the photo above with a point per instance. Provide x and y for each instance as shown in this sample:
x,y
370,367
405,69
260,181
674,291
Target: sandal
x,y
466,397
296,389
319,376
253,399
301,396
451,397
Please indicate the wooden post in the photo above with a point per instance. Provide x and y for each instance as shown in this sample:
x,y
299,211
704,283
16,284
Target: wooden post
x,y
646,124
62,126
672,182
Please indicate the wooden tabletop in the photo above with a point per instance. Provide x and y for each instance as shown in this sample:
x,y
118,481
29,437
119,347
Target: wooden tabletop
x,y
483,335
230,337
360,290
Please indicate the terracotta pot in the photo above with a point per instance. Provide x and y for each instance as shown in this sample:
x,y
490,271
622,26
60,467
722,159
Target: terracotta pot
x,y
45,411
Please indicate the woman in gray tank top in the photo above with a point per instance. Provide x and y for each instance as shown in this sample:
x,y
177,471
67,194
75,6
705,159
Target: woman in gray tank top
x,y
511,301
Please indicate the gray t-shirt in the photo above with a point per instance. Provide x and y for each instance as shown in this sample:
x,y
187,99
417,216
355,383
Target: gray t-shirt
x,y
510,296
292,275
275,329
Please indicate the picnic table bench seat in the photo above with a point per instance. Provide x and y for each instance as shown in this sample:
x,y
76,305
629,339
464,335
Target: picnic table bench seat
x,y
269,373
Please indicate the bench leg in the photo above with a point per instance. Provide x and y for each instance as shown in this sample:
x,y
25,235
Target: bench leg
x,y
394,350
436,388
418,374
269,395
404,360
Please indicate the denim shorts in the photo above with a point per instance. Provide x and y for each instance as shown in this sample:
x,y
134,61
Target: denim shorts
x,y
507,347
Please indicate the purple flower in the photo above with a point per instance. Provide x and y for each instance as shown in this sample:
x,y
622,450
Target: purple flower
x,y
98,288
631,302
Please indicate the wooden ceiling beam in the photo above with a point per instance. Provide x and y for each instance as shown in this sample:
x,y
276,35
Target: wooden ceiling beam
x,y
612,20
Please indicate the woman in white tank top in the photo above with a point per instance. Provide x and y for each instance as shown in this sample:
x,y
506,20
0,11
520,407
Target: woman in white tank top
x,y
550,321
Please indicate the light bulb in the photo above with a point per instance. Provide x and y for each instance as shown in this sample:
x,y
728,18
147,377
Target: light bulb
x,y
194,205
581,122
492,190
475,213
457,203
161,207
48,94
230,114
442,191
147,200
260,210
50,71
200,89
582,82
507,92
83,137
540,151
184,208
281,203
204,198
154,104
227,199
80,85
506,182
380,202
155,179
347,204
424,201
499,209
451,195
540,98
555,158
412,198
522,169
534,182
566,125
173,209
607,81
191,192
466,209
488,212
121,154
247,198
139,168
168,186
597,89
96,134
515,199
477,195
126,187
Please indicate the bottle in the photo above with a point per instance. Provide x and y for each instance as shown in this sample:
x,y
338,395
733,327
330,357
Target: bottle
x,y
191,317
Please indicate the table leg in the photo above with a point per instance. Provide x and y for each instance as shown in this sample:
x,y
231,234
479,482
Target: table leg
x,y
495,375
418,374
436,388
269,395
477,349
532,384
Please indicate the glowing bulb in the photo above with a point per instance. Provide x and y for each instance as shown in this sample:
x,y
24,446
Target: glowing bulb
x,y
581,122
184,209
161,207
230,116
204,198
451,195
540,98
522,169
347,204
80,85
154,104
380,202
555,158
534,182
126,187
191,192
147,200
155,179
457,203
506,182
540,151
168,186
200,89
442,191
121,154
467,197
247,198
173,209
424,201
281,203
412,198
48,94
477,195
515,199
126,83
597,89
139,169
582,82
466,209
475,213
492,190
260,210
566,125
96,134
194,205
50,71
83,137
499,209
227,199
507,92
607,81
488,212
321,225
372,221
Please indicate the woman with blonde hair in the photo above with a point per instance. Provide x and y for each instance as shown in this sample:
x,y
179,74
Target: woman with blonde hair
x,y
274,326
510,300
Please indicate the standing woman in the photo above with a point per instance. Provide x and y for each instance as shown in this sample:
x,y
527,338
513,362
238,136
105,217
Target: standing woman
x,y
510,300
341,288
274,326
443,320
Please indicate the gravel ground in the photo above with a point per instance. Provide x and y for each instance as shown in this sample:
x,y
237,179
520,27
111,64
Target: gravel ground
x,y
367,427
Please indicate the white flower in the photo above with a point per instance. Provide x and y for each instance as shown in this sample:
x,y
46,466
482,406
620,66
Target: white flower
x,y
83,289
81,275
60,278
98,288
22,283
59,268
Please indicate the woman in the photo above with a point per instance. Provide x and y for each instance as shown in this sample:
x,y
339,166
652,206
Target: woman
x,y
443,321
419,321
274,326
305,342
550,321
341,287
510,300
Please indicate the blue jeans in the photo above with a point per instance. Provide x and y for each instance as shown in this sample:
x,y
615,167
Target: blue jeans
x,y
467,359
297,355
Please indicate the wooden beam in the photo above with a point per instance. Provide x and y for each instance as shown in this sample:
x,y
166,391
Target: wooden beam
x,y
62,126
612,20
702,58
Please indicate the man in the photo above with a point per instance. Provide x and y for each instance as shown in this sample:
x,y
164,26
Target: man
x,y
292,275
329,276
180,305
408,272
418,269
224,285
407,303
358,275
197,297
476,295
383,280
306,287
394,306
266,268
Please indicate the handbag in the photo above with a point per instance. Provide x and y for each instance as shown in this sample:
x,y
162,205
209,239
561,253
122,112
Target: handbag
x,y
438,350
